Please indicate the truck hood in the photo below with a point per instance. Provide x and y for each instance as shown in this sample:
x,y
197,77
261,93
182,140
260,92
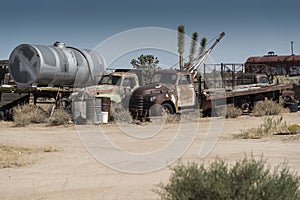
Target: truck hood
x,y
154,88
111,91
102,89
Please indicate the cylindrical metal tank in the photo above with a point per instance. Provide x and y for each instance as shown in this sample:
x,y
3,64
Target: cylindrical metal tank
x,y
79,111
55,65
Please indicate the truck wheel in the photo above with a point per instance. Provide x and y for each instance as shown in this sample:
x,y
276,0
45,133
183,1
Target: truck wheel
x,y
167,109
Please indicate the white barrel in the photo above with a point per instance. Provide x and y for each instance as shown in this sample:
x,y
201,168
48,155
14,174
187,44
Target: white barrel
x,y
104,117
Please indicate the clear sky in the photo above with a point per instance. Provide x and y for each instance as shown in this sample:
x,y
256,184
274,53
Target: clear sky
x,y
252,27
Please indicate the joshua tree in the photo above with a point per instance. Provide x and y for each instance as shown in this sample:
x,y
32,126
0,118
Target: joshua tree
x,y
202,46
180,44
193,46
148,63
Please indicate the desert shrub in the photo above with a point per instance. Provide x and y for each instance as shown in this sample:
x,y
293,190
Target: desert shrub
x,y
38,115
122,115
266,107
233,112
25,114
293,128
246,179
270,126
59,117
219,111
227,111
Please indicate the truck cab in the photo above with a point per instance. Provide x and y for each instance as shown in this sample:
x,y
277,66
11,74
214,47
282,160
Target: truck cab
x,y
115,84
112,85
169,91
252,78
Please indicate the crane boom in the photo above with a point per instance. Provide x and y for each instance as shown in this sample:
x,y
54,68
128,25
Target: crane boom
x,y
194,69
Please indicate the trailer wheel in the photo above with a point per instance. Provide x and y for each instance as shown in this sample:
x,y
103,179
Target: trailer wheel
x,y
64,103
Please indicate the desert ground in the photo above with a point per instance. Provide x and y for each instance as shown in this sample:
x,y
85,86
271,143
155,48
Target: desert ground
x,y
60,166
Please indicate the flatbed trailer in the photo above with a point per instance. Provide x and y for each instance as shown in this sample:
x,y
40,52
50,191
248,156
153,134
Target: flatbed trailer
x,y
244,97
12,96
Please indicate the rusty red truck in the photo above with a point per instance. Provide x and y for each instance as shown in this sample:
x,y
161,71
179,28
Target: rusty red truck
x,y
197,87
174,91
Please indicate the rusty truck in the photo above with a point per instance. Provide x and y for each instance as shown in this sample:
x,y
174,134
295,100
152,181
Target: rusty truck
x,y
109,90
177,91
173,91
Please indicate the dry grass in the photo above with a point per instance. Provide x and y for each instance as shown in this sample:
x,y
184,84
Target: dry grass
x,y
267,107
12,155
270,126
26,114
233,112
59,117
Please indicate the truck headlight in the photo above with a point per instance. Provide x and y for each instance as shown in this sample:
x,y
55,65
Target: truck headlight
x,y
152,99
123,97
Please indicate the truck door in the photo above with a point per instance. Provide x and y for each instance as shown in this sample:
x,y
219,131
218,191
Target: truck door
x,y
185,91
129,83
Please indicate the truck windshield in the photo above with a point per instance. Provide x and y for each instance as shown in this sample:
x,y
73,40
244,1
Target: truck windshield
x,y
164,78
110,80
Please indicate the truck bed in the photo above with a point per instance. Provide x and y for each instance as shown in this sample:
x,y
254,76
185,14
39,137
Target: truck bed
x,y
222,93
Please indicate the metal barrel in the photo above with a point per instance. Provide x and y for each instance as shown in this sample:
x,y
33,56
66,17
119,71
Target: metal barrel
x,y
79,111
105,109
293,106
93,111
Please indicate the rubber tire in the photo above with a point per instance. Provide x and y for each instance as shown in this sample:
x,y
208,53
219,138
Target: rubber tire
x,y
167,107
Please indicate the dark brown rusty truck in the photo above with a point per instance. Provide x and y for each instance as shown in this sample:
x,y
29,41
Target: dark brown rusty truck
x,y
195,88
173,91
169,89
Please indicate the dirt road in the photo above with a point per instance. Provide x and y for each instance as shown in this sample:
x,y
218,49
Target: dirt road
x,y
71,172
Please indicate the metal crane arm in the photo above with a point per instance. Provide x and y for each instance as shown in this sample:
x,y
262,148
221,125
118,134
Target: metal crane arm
x,y
194,69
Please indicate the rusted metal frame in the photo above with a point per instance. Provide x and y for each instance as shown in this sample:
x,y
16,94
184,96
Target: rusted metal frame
x,y
249,92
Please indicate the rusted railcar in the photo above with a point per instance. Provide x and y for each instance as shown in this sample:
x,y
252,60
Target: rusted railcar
x,y
274,65
283,68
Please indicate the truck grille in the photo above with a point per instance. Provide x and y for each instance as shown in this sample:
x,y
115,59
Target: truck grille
x,y
136,103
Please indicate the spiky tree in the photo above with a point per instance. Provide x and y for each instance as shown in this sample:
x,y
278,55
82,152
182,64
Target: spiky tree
x,y
193,46
202,46
180,44
147,63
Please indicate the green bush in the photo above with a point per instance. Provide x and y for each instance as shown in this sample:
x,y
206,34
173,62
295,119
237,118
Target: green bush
x,y
247,179
294,128
266,107
59,117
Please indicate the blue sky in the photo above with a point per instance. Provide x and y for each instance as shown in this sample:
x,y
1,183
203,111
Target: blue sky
x,y
252,27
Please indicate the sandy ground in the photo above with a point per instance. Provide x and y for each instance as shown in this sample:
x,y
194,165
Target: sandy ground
x,y
73,173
